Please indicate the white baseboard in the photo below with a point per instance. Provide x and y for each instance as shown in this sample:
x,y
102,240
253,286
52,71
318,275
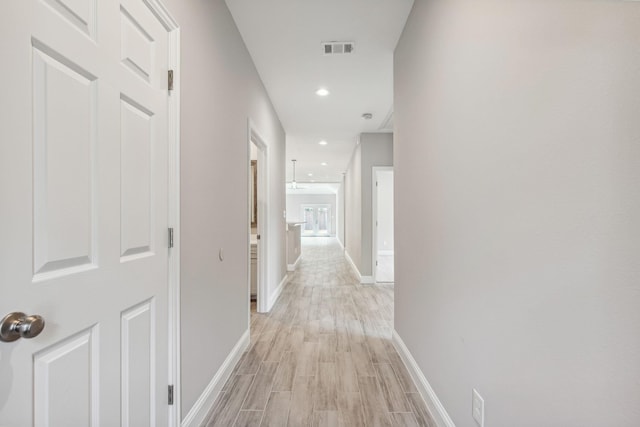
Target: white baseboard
x,y
292,267
203,405
276,294
436,409
340,243
365,280
353,264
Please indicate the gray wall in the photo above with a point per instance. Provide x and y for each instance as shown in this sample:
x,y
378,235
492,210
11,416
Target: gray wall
x,y
295,202
517,155
294,247
353,207
374,149
220,90
377,150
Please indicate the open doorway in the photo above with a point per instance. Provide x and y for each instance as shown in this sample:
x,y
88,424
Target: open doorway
x,y
257,218
383,229
253,215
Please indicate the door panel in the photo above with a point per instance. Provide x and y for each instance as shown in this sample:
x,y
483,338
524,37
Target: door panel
x,y
79,13
135,180
65,375
64,132
138,360
137,46
83,182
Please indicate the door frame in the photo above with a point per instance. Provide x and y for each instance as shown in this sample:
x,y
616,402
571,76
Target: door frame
x,y
374,216
254,137
173,126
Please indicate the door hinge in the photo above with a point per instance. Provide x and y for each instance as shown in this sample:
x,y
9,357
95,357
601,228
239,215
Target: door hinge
x,y
170,80
170,395
170,237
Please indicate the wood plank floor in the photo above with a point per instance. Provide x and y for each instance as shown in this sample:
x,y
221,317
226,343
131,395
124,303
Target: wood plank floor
x,y
323,356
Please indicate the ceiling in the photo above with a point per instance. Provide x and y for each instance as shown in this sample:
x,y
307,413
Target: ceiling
x,y
314,188
284,39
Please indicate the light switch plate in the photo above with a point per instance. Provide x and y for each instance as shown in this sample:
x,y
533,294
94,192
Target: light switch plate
x,y
477,408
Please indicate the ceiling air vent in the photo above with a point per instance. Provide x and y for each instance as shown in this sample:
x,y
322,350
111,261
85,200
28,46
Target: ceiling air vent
x,y
337,48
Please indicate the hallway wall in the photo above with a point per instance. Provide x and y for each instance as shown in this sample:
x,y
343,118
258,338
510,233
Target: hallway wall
x,y
340,202
373,149
517,162
220,91
377,150
353,207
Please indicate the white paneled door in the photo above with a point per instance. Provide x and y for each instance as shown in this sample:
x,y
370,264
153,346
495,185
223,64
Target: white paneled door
x,y
84,212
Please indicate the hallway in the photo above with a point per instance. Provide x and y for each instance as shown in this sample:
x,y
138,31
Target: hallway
x,y
323,356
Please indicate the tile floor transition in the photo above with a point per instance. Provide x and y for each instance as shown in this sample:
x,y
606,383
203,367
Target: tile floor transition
x,y
323,356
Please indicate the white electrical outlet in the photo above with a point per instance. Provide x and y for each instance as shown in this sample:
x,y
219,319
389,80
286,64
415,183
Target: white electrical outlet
x,y
477,408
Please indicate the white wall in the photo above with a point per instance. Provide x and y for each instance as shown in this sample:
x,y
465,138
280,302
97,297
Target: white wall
x,y
295,202
220,91
517,168
384,203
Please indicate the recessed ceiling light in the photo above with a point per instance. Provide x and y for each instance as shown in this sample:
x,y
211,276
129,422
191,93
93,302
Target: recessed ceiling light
x,y
324,163
323,142
322,92
310,174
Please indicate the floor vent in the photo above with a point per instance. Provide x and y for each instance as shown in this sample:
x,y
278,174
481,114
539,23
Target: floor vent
x,y
337,48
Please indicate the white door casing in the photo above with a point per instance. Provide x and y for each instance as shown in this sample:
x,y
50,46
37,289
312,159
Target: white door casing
x,y
84,184
253,137
378,204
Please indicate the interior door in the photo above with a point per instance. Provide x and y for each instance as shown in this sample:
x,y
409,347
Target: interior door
x,y
384,227
83,187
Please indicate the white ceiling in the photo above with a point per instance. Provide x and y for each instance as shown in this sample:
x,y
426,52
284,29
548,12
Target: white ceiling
x,y
314,188
284,38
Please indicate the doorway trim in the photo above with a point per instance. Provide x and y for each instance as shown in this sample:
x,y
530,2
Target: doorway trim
x,y
254,137
374,216
173,134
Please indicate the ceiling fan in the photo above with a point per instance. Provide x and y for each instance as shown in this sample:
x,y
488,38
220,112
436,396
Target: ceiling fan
x,y
294,185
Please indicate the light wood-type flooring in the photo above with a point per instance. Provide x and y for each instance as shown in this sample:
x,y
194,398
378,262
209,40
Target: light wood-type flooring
x,y
323,356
